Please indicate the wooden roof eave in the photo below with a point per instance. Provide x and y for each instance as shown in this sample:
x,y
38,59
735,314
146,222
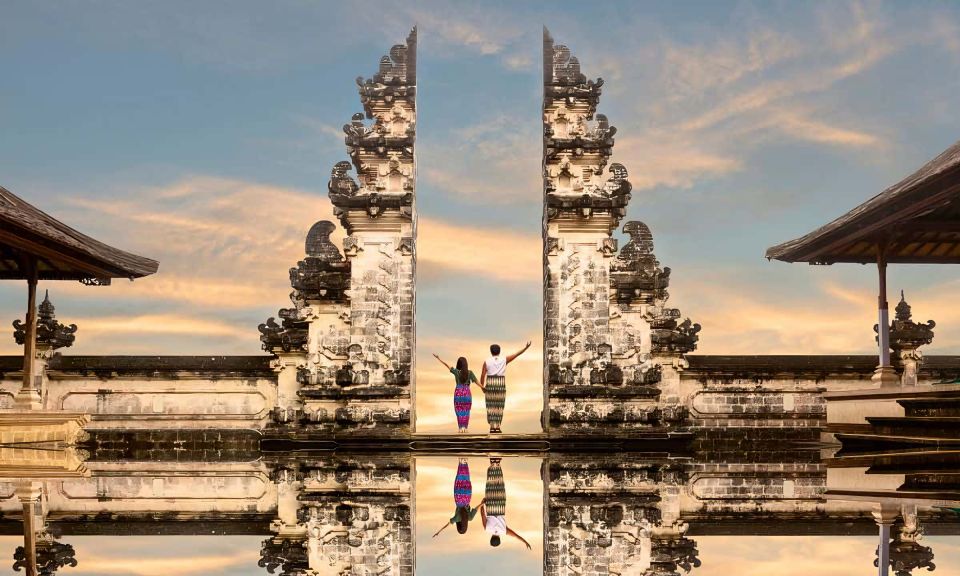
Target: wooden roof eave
x,y
66,253
878,219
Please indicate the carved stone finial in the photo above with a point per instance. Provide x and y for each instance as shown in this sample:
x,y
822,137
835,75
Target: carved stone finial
x,y
323,274
341,183
49,332
635,273
51,556
670,555
905,334
667,335
907,555
290,335
289,556
641,241
318,244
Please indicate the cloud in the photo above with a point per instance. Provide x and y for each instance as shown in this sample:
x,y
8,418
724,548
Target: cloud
x,y
744,318
495,161
465,249
706,106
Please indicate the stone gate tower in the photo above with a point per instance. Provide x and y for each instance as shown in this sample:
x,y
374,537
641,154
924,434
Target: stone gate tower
x,y
612,348
345,350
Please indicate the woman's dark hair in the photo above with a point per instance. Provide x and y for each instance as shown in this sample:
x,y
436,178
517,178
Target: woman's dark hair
x,y
463,519
495,349
494,541
463,371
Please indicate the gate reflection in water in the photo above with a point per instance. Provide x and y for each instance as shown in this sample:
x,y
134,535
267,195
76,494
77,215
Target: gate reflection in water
x,y
763,510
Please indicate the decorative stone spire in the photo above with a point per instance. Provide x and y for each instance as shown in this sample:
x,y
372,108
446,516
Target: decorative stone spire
x,y
382,151
577,143
50,333
345,351
905,333
608,337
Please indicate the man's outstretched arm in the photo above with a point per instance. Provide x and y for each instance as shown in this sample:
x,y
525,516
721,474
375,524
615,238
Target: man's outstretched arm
x,y
513,357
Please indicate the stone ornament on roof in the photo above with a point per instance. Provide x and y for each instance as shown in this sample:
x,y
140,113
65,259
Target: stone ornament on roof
x,y
50,333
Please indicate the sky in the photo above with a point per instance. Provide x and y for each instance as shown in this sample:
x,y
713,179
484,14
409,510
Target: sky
x,y
202,135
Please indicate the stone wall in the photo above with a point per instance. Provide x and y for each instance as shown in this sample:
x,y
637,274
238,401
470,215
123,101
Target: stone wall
x,y
155,392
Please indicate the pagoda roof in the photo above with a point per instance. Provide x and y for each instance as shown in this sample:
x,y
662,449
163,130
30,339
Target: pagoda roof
x,y
61,252
917,220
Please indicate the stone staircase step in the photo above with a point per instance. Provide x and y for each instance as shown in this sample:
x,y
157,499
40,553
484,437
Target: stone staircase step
x,y
931,407
945,427
873,442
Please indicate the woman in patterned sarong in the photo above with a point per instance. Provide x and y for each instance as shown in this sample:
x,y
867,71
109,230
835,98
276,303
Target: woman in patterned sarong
x,y
462,494
462,397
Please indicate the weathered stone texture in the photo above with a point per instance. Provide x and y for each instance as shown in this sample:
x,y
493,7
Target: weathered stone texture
x,y
345,351
342,515
606,326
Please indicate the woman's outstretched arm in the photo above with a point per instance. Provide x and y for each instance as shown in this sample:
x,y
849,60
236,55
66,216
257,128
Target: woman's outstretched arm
x,y
442,529
441,361
513,357
483,377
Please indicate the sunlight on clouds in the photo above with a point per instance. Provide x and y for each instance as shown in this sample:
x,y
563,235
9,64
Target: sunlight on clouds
x,y
834,319
159,324
479,251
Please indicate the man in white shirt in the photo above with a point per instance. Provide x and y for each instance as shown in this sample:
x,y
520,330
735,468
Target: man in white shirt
x,y
493,379
493,508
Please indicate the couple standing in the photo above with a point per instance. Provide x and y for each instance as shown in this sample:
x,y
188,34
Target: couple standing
x,y
493,507
493,382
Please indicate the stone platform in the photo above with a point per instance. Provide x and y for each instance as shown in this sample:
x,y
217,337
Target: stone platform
x,y
651,442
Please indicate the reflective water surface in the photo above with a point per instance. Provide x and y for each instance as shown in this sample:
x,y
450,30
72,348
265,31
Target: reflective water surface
x,y
770,510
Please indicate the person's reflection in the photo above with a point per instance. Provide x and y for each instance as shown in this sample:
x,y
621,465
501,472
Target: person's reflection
x,y
462,494
493,508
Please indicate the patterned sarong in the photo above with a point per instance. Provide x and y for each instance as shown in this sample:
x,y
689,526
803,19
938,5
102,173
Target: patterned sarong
x,y
462,488
462,403
496,398
495,492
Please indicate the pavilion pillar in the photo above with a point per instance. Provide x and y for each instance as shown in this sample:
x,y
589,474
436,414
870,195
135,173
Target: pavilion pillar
x,y
884,375
29,494
884,515
28,398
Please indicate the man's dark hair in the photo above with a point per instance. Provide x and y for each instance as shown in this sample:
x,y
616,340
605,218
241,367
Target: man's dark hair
x,y
495,349
494,541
